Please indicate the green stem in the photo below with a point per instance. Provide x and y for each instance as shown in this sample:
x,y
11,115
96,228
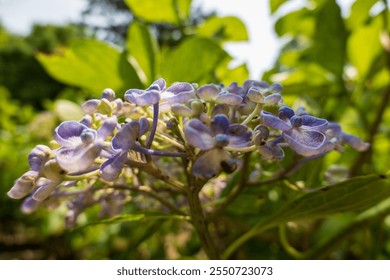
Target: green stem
x,y
252,115
199,221
286,245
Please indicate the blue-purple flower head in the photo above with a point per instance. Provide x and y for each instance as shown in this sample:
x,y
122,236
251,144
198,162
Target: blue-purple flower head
x,y
304,134
81,145
211,140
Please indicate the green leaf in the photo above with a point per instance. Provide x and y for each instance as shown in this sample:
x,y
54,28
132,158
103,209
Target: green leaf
x,y
298,23
275,5
364,46
356,194
360,12
193,61
329,40
91,65
142,50
166,11
224,29
227,75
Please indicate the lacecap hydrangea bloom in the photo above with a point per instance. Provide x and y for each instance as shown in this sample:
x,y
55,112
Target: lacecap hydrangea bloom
x,y
175,134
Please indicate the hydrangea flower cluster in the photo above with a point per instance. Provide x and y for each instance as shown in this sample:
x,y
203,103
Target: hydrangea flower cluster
x,y
166,132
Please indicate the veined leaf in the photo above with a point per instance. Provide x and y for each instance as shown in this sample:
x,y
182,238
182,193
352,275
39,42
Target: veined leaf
x,y
356,194
92,65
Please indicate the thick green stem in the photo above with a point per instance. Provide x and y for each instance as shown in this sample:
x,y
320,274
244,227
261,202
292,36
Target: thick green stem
x,y
199,221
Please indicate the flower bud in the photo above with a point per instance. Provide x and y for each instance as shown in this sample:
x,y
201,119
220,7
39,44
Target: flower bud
x,y
23,185
108,94
38,156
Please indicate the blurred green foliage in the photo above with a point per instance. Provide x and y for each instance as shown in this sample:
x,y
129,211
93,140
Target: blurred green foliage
x,y
336,66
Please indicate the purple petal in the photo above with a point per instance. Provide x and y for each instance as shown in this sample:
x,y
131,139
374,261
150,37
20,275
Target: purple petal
x,y
274,122
276,88
79,158
305,142
234,88
126,136
90,106
38,157
239,136
159,84
334,130
228,98
86,120
254,95
355,142
286,113
273,99
198,135
112,168
108,94
68,133
45,190
107,128
252,83
142,97
219,124
23,185
178,93
29,205
313,123
208,92
144,126
208,165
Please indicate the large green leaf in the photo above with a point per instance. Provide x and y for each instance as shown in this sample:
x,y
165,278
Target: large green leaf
x,y
194,60
224,29
360,11
142,49
167,11
364,46
329,40
92,65
297,23
356,194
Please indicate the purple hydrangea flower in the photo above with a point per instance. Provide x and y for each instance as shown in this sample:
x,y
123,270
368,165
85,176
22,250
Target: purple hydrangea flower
x,y
304,134
264,93
147,97
213,93
211,140
337,137
81,145
123,141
